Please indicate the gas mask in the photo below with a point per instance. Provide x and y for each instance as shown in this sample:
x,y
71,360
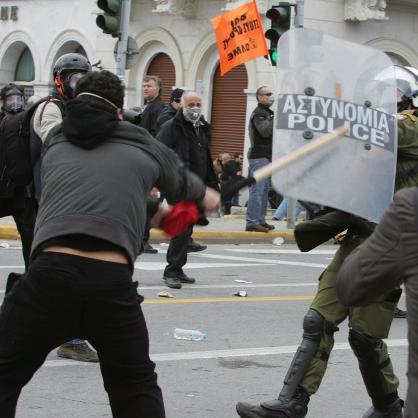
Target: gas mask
x,y
192,114
14,102
67,82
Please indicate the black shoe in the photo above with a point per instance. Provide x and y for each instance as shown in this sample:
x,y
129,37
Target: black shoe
x,y
268,226
148,249
256,228
296,407
399,313
186,279
394,410
172,282
195,247
276,219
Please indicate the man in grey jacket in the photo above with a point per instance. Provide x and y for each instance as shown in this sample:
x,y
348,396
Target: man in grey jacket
x,y
97,172
383,262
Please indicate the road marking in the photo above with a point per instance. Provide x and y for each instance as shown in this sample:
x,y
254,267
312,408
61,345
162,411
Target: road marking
x,y
155,265
226,299
259,260
218,354
233,286
254,251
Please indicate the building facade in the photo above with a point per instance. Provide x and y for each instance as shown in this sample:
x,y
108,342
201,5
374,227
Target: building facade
x,y
176,41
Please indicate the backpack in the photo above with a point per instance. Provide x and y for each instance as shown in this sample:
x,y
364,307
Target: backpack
x,y
30,137
20,146
16,168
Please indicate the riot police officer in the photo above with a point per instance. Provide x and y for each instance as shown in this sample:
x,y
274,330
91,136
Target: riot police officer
x,y
369,325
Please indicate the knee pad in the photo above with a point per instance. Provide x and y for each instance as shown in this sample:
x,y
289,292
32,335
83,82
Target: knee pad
x,y
313,325
361,345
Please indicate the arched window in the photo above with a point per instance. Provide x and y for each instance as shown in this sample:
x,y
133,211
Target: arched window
x,y
25,68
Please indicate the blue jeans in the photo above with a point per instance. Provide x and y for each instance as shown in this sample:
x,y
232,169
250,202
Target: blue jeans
x,y
281,211
258,196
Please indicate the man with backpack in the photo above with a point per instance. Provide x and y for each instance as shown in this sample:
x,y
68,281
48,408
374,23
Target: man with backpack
x,y
43,116
15,168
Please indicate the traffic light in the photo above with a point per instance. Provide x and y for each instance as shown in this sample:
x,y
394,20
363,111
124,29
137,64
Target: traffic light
x,y
109,22
280,22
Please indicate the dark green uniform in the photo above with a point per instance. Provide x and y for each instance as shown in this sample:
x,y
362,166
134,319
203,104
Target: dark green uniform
x,y
372,321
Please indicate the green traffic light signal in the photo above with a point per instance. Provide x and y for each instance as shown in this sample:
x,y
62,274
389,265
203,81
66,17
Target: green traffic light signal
x,y
280,22
274,55
109,21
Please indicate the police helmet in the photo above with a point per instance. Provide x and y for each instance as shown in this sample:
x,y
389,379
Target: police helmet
x,y
407,84
68,69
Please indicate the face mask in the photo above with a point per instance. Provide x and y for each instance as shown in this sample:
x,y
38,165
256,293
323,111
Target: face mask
x,y
271,101
193,114
14,103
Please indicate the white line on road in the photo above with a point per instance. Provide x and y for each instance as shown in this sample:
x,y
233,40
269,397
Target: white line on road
x,y
255,251
214,354
259,260
153,266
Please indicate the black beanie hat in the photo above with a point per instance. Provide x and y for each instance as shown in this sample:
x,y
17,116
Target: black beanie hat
x,y
176,94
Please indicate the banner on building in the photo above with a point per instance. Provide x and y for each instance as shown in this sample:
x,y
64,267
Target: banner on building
x,y
240,36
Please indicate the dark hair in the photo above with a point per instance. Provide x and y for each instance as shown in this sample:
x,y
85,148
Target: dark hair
x,y
104,84
157,81
176,94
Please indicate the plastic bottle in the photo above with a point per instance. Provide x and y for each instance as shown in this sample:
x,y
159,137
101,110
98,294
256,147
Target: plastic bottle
x,y
189,334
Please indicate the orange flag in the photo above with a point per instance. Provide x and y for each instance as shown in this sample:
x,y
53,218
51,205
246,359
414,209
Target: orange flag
x,y
240,36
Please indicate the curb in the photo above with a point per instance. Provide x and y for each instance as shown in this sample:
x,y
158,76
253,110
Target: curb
x,y
10,232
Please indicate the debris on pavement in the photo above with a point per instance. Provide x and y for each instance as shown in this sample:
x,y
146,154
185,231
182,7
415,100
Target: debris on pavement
x,y
242,281
165,295
241,293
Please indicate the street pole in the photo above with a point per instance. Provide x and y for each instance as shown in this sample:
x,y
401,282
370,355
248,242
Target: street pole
x,y
122,50
291,204
300,14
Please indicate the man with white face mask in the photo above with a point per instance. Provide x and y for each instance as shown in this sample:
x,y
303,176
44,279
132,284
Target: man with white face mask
x,y
261,135
188,134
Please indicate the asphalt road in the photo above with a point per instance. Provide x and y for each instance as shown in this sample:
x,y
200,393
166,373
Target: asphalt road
x,y
250,342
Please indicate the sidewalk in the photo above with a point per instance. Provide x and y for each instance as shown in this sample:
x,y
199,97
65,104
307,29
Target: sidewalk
x,y
227,228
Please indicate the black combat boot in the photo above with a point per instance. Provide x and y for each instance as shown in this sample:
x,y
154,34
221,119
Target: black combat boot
x,y
296,407
393,410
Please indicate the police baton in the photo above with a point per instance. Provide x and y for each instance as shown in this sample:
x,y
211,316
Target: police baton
x,y
229,190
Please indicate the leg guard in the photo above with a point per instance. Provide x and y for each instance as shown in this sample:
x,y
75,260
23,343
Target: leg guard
x,y
371,370
313,326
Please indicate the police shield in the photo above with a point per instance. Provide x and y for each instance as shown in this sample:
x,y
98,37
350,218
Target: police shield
x,y
323,83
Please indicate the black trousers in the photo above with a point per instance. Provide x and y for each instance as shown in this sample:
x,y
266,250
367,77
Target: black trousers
x,y
23,211
177,254
63,297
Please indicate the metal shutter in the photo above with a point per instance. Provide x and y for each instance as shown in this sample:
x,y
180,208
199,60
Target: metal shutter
x,y
163,67
229,105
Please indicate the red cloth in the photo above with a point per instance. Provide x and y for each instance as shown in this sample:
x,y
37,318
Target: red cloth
x,y
180,218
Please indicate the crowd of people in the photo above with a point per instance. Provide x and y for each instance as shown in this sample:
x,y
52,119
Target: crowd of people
x,y
80,243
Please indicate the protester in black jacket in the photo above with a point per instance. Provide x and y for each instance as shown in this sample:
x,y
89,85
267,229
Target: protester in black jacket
x,y
152,89
170,111
153,103
97,173
188,134
15,198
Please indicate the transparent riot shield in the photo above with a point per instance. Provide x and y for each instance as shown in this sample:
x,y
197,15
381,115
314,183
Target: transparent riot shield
x,y
323,83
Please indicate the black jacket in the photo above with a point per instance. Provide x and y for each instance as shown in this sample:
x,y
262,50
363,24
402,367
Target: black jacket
x,y
166,114
260,129
17,159
150,115
191,145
